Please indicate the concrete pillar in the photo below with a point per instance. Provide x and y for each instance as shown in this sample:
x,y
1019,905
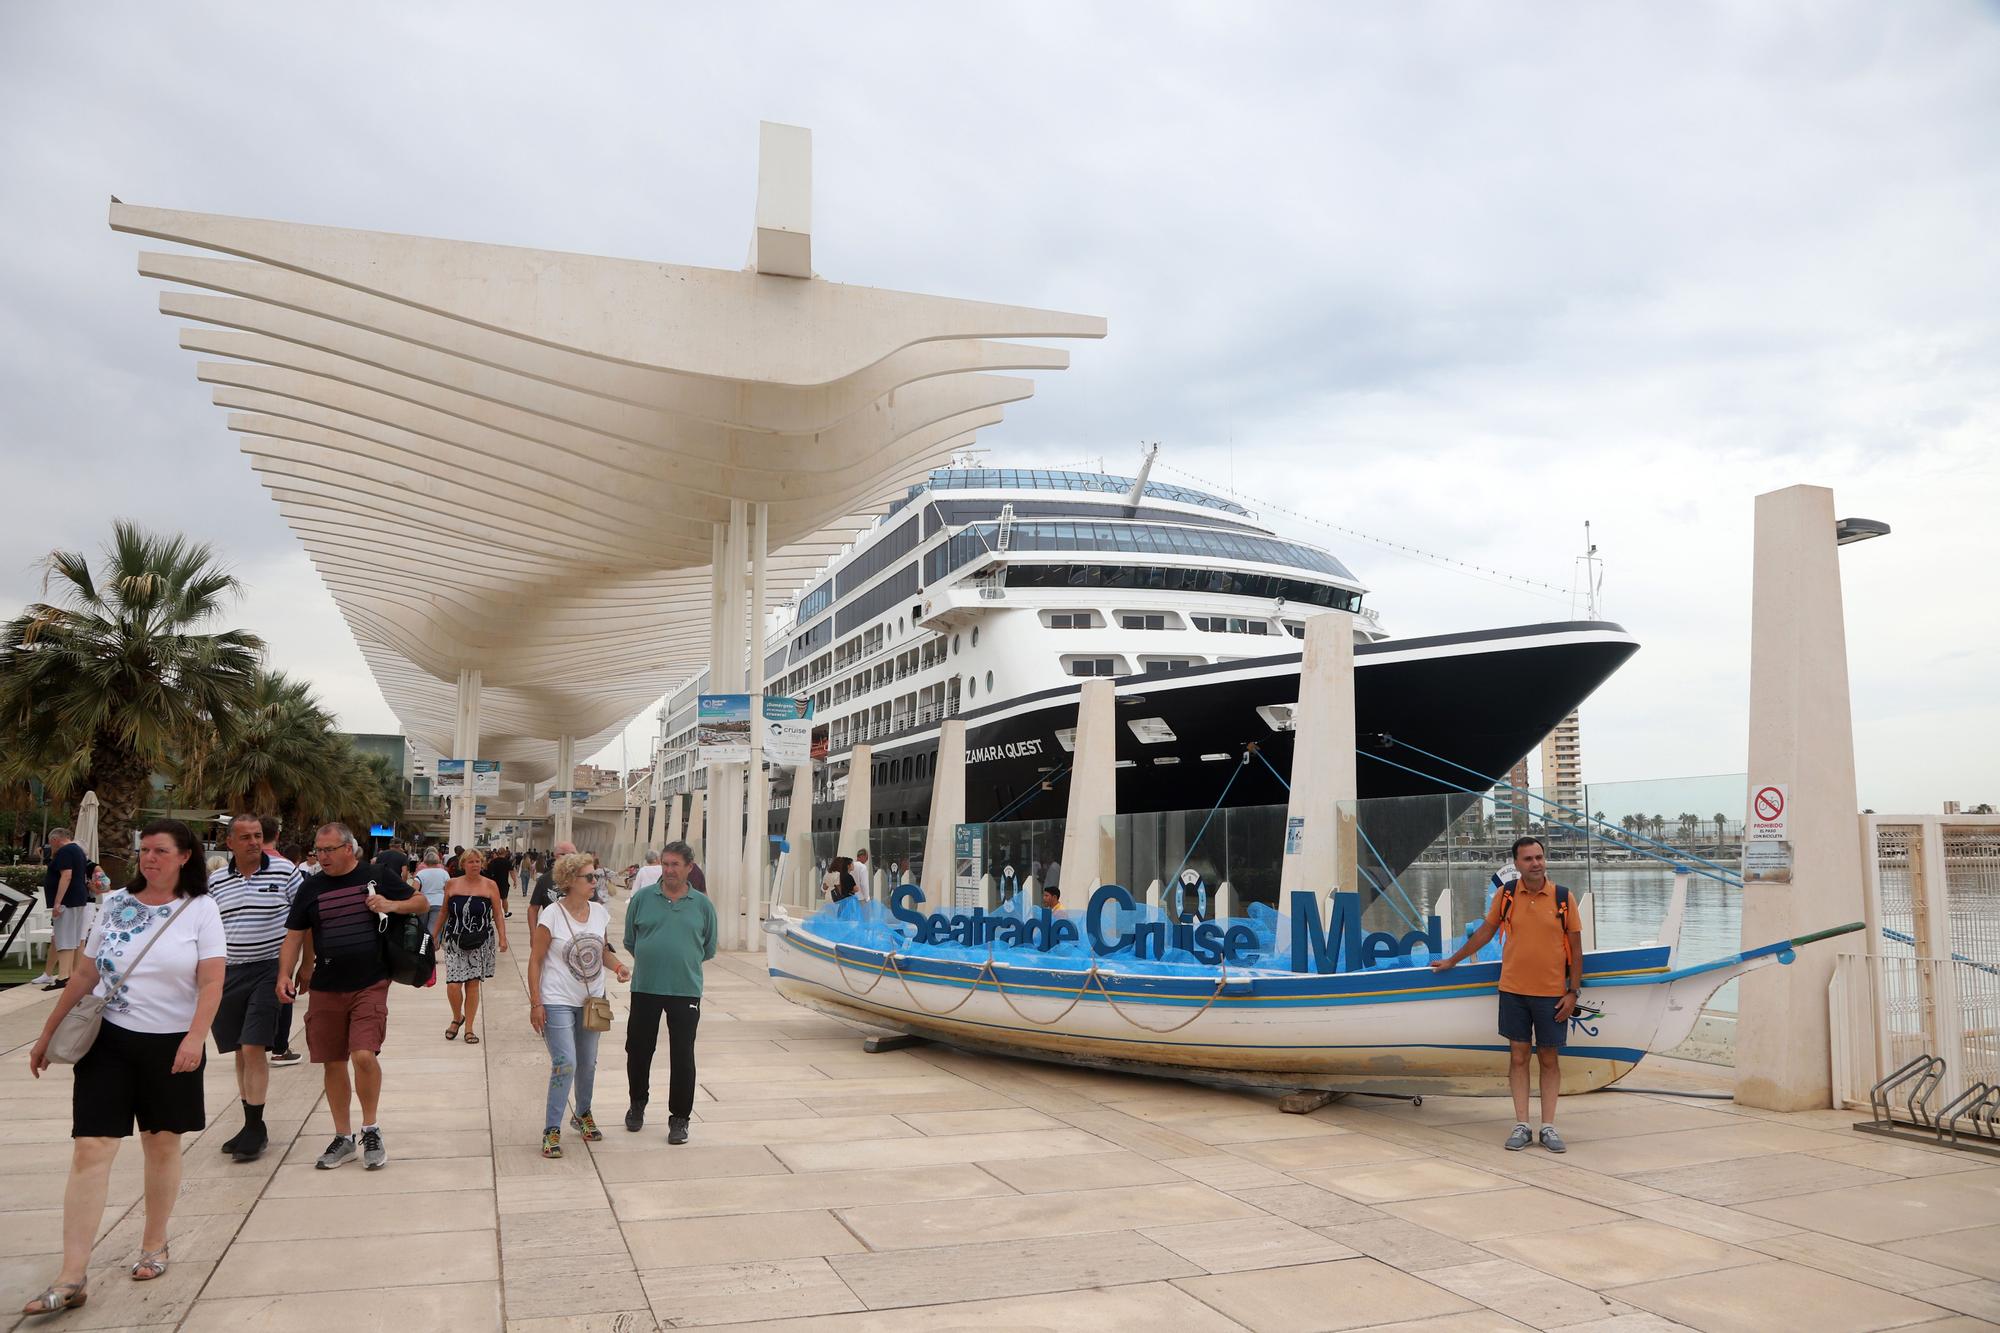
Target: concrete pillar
x,y
564,811
859,809
757,820
1088,849
465,745
947,813
1801,737
696,833
656,824
799,877
1321,857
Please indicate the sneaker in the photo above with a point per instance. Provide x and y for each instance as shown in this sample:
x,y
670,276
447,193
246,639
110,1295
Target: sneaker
x,y
338,1153
551,1143
635,1119
250,1144
1520,1138
42,980
677,1129
229,1145
1552,1140
55,985
586,1125
373,1156
285,1057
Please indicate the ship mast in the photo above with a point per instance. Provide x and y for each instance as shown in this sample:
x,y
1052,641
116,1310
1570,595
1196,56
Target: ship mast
x,y
1138,491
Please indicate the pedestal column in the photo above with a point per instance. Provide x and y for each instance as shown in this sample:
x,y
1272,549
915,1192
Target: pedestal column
x,y
465,745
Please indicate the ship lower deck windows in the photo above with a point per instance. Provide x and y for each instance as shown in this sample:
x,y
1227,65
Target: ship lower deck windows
x,y
1145,620
1184,578
1069,620
1231,625
1161,666
1094,666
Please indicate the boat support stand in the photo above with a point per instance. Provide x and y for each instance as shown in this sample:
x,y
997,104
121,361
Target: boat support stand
x,y
1311,1099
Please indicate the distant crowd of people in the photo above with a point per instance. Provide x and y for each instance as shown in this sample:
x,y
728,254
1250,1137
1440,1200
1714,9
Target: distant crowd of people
x,y
190,950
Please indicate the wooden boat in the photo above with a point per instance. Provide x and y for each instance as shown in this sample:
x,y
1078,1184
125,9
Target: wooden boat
x,y
1403,1031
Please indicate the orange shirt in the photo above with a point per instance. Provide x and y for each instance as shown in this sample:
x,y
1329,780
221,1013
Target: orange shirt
x,y
1532,952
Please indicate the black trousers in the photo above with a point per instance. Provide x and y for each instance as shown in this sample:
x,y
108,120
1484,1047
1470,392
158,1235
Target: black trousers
x,y
284,1042
642,1037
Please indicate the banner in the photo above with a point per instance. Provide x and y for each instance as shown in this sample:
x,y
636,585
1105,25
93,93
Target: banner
x,y
787,730
968,857
722,728
485,777
572,799
450,778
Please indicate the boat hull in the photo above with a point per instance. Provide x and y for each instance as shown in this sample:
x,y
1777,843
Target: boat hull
x,y
1404,1032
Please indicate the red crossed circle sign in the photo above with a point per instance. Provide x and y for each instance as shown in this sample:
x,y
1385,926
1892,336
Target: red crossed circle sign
x,y
1770,803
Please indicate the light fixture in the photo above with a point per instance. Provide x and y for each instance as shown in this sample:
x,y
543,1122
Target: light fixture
x,y
1847,531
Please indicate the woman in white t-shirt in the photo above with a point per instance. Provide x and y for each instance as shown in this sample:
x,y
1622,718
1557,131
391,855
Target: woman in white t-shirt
x,y
572,948
156,953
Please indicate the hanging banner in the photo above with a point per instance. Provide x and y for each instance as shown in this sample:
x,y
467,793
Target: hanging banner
x,y
968,855
485,777
787,730
722,728
449,779
571,799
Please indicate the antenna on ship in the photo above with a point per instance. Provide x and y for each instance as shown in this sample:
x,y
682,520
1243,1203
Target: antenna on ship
x,y
1590,579
1138,491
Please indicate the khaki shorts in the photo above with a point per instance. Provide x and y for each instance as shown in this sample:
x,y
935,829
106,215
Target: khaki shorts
x,y
339,1023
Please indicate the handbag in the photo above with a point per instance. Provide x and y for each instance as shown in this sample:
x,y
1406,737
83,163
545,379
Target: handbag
x,y
596,1008
406,948
77,1032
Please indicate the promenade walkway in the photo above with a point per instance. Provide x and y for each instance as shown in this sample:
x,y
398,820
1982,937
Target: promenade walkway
x,y
928,1189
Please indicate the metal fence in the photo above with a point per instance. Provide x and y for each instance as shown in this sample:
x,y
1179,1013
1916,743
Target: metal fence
x,y
1929,982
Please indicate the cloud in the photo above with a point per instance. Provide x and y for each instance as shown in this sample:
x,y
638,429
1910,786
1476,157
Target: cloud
x,y
1461,275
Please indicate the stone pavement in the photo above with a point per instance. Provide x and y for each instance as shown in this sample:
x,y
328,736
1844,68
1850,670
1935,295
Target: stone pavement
x,y
930,1189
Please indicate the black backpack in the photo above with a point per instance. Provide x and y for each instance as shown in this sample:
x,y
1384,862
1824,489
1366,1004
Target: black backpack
x,y
471,924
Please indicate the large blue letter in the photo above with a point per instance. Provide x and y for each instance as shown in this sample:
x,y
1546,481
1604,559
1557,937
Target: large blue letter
x,y
1309,948
1093,916
899,907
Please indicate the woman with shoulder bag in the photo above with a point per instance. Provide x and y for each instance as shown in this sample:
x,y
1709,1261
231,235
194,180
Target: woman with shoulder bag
x,y
567,1004
467,931
150,985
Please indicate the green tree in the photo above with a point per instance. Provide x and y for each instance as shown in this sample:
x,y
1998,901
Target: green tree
x,y
120,673
1721,826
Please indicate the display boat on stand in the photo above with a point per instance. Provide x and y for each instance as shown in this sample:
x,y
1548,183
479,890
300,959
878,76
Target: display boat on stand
x,y
1396,1030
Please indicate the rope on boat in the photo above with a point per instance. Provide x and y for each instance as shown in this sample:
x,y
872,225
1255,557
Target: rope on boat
x,y
1074,1000
985,969
1214,995
849,984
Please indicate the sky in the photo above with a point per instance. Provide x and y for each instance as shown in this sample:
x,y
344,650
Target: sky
x,y
1458,276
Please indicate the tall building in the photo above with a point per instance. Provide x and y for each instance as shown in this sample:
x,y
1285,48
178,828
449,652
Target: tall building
x,y
1562,764
1510,815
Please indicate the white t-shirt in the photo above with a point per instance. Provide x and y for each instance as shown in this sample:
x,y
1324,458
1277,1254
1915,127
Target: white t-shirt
x,y
647,875
160,996
574,967
431,881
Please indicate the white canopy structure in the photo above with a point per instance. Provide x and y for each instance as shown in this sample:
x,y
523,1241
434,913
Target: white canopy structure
x,y
544,488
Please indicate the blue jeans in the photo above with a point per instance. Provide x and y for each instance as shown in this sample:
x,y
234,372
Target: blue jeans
x,y
572,1058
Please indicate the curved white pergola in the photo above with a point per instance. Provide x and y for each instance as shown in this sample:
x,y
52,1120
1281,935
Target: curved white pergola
x,y
615,435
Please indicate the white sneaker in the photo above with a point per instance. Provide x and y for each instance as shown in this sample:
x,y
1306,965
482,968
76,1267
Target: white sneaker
x,y
42,980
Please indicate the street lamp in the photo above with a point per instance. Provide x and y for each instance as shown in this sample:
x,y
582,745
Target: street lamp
x,y
1847,531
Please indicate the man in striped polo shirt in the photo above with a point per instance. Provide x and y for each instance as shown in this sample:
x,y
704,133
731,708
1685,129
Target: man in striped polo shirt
x,y
255,891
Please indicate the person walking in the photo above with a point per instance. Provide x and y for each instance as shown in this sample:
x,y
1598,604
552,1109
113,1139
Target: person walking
x,y
66,887
156,957
1541,978
253,891
565,971
670,931
648,873
467,931
332,935
431,879
282,1054
499,868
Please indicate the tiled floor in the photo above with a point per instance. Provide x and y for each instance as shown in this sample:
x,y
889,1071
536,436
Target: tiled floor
x,y
931,1189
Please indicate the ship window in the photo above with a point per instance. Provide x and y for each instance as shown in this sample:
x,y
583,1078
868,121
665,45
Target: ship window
x,y
909,770
989,682
975,636
1231,625
1093,666
1295,629
1070,619
1160,666
954,643
1130,621
972,687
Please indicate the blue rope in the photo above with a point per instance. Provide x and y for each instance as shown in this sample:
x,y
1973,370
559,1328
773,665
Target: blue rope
x,y
1234,773
1029,794
1408,909
1664,860
1584,815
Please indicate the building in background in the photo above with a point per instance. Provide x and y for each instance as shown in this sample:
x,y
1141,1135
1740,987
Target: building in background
x,y
1511,810
1562,764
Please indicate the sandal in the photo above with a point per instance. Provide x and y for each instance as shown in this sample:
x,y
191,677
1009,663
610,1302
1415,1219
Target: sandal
x,y
451,1033
152,1264
472,1039
59,1297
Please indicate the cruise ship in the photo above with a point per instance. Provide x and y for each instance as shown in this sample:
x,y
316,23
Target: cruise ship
x,y
989,594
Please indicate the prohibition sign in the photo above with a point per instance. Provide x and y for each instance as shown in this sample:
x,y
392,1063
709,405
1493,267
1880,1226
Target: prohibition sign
x,y
1770,803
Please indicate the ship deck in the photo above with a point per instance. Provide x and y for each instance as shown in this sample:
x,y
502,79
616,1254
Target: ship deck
x,y
926,1188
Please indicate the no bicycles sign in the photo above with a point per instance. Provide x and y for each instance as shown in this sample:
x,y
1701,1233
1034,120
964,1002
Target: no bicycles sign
x,y
1770,810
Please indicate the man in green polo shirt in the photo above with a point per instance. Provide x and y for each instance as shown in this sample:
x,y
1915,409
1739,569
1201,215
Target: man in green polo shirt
x,y
669,932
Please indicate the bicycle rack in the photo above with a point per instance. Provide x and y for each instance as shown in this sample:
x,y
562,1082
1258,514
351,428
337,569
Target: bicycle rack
x,y
1978,1106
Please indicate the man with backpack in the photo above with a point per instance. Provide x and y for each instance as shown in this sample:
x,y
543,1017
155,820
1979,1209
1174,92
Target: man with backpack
x,y
1541,974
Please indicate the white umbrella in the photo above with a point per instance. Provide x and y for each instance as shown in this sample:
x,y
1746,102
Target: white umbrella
x,y
86,825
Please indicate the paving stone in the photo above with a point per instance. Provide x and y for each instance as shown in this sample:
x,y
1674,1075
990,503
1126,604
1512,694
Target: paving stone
x,y
1708,1219
1258,1242
1975,1250
1347,1293
1105,1170
1898,1210
1141,1308
707,1241
1225,1172
362,1215
1981,1300
790,1193
943,1151
1323,1150
1405,1180
1619,1253
1746,1180
471,1307
1877,1267
1026,1217
1527,1294
996,1269
1773,1296
357,1263
1403,1245
1491,1214
1307,1205
739,1292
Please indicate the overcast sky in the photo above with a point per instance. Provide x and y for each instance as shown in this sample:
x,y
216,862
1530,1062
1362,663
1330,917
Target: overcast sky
x,y
1461,276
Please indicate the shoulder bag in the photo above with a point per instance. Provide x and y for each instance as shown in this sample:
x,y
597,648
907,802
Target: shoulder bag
x,y
77,1032
406,948
596,1008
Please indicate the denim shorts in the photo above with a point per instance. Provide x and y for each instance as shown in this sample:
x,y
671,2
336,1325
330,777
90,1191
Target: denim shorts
x,y
1532,1018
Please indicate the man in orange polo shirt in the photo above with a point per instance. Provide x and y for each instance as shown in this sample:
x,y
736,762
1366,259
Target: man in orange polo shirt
x,y
1541,972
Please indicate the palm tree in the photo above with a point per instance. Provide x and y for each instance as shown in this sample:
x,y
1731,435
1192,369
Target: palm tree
x,y
1721,826
278,751
1689,823
118,674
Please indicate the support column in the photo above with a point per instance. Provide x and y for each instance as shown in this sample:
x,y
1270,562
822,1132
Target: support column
x,y
947,813
656,823
565,813
465,745
799,878
1801,738
696,832
756,829
1089,850
858,811
1321,858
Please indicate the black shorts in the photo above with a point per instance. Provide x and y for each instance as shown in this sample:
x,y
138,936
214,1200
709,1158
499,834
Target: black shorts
x,y
129,1076
1532,1018
248,1015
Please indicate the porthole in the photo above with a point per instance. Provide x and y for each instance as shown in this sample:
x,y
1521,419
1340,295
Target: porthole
x,y
989,682
975,636
954,643
971,687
